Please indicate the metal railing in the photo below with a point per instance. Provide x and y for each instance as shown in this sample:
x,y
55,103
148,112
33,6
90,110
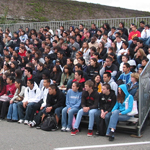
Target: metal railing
x,y
144,96
87,23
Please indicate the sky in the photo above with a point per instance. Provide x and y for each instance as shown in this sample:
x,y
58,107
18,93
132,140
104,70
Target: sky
x,y
130,4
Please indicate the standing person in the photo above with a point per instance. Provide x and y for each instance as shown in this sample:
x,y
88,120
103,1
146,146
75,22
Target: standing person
x,y
89,104
9,93
119,112
12,115
73,102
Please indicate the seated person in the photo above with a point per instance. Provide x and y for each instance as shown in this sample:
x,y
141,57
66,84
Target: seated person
x,y
97,83
107,79
109,67
73,102
126,75
6,97
145,61
119,113
89,106
12,115
93,68
125,59
42,105
54,103
107,100
2,86
133,85
78,77
31,96
140,69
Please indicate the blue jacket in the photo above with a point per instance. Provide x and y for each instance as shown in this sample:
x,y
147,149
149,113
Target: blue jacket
x,y
126,78
73,99
128,98
132,90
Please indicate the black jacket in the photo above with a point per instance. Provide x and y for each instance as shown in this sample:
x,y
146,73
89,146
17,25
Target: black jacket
x,y
92,71
38,76
55,101
90,100
107,102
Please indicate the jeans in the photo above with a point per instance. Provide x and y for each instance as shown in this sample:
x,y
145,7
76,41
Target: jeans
x,y
114,118
13,111
91,118
70,117
29,111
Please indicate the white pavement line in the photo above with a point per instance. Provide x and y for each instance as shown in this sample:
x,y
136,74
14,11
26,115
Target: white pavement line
x,y
100,146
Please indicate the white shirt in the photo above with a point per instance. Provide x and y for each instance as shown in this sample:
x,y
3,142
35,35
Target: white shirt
x,y
123,50
118,46
145,34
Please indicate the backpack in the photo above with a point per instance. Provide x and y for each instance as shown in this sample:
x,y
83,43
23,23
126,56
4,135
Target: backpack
x,y
49,123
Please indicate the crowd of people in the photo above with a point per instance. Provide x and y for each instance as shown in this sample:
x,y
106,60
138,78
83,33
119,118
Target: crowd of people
x,y
72,73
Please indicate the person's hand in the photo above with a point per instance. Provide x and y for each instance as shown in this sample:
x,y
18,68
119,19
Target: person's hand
x,y
11,101
62,86
103,115
119,113
104,65
54,81
48,109
86,109
25,104
41,108
68,110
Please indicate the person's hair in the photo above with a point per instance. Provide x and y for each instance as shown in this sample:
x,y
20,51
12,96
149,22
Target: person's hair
x,y
11,78
41,64
113,28
23,47
119,34
82,59
8,56
19,81
80,73
142,67
55,41
108,87
18,72
29,69
127,65
143,22
95,60
135,75
108,74
86,48
90,83
142,53
122,24
38,53
135,39
112,49
110,58
31,81
79,65
69,69
53,86
80,53
127,56
70,60
100,49
47,80
121,97
78,85
93,48
125,43
134,25
31,65
146,59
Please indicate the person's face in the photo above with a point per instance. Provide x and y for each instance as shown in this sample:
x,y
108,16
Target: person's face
x,y
8,81
113,44
95,56
74,87
58,55
12,65
46,59
76,76
119,90
133,28
5,67
92,62
99,33
26,72
108,62
118,39
33,61
92,40
4,77
54,69
124,46
68,62
51,91
97,79
54,44
84,45
47,40
104,90
46,50
120,25
106,78
80,61
91,52
125,69
93,26
140,70
100,45
45,83
72,33
149,50
80,27
112,30
35,42
6,59
39,67
124,59
133,79
77,55
134,42
21,50
29,84
87,88
142,25
12,59
17,84
66,70
36,55
76,68
144,63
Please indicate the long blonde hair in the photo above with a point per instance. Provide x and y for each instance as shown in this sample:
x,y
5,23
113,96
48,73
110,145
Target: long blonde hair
x,y
142,53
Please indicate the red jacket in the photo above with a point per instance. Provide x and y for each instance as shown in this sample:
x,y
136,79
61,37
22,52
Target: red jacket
x,y
22,54
134,34
12,90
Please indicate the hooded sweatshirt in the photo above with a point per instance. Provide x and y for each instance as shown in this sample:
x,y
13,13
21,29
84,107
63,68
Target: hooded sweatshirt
x,y
73,99
126,78
128,99
32,95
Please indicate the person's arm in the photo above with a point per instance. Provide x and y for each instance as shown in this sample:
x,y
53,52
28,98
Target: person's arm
x,y
113,101
83,99
26,95
130,106
67,99
3,91
143,34
115,107
78,102
96,99
114,73
114,87
62,79
102,70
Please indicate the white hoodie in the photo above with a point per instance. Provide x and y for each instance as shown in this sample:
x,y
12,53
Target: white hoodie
x,y
44,93
32,95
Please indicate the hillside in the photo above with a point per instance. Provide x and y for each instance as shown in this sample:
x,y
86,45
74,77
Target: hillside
x,y
45,10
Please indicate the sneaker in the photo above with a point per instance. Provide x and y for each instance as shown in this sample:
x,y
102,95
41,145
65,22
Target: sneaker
x,y
26,122
90,133
32,124
20,121
74,132
68,129
8,120
63,129
97,133
111,136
